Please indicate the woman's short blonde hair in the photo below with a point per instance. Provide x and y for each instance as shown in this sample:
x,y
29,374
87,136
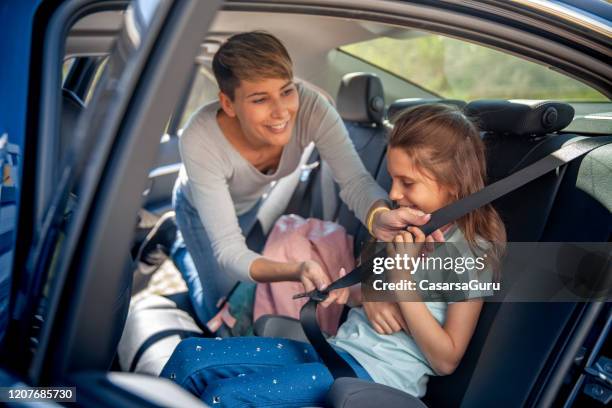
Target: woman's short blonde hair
x,y
250,56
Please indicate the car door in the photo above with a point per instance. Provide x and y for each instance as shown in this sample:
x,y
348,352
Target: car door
x,y
71,274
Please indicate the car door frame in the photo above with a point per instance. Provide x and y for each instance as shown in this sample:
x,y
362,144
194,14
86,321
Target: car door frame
x,y
97,258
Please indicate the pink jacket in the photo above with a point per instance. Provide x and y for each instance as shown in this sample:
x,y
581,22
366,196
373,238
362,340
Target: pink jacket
x,y
294,239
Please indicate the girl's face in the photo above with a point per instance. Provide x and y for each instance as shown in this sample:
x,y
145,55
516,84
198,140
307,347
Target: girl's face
x,y
412,187
265,109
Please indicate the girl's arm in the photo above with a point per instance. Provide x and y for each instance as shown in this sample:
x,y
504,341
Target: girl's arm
x,y
443,346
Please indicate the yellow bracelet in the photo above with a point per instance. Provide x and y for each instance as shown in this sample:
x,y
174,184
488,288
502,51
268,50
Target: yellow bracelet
x,y
370,219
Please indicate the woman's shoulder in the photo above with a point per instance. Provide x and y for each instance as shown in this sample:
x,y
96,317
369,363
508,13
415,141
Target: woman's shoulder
x,y
201,125
202,140
316,113
204,116
313,99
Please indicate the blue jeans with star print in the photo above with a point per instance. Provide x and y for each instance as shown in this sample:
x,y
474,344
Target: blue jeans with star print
x,y
253,371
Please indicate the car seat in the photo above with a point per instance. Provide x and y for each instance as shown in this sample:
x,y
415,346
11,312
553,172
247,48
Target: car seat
x,y
360,104
407,103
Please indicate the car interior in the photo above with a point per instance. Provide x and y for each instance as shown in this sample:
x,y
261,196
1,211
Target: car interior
x,y
528,353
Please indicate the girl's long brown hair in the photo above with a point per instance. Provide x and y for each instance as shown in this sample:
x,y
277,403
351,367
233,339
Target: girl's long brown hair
x,y
445,145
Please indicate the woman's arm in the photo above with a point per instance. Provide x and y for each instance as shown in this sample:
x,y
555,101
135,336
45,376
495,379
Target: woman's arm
x,y
208,172
443,346
267,270
385,223
309,273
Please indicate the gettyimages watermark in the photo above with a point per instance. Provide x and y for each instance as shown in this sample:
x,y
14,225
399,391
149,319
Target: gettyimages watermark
x,y
522,272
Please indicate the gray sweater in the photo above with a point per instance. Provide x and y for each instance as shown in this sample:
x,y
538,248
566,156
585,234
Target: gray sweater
x,y
221,184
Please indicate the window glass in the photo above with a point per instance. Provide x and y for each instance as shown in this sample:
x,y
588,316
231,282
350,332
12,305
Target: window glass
x,y
203,90
456,69
95,80
9,169
66,68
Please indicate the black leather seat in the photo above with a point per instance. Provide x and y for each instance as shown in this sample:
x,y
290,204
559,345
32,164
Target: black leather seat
x,y
514,343
361,105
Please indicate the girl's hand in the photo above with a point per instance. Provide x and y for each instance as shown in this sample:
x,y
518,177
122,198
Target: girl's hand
x,y
314,277
385,317
413,241
388,224
408,242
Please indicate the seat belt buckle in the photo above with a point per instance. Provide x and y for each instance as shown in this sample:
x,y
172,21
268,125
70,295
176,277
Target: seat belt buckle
x,y
307,168
316,295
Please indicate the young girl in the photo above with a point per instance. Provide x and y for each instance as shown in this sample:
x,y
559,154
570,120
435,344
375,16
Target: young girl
x,y
435,157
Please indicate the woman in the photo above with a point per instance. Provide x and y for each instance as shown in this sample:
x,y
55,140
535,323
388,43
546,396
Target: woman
x,y
234,147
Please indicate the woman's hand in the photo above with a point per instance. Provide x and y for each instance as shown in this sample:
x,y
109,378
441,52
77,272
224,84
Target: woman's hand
x,y
387,224
314,277
385,317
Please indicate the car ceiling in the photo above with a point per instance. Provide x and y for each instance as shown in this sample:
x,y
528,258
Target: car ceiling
x,y
94,34
310,36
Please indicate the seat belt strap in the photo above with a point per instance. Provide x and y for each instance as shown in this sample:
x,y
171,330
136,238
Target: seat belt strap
x,y
516,180
338,367
301,199
336,364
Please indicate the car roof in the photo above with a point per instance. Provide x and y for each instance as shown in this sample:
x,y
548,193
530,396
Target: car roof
x,y
95,33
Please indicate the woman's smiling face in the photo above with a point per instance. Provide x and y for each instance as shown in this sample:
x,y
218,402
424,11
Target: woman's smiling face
x,y
411,187
266,110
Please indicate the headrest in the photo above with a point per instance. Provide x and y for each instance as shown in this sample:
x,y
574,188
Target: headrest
x,y
520,117
407,103
361,98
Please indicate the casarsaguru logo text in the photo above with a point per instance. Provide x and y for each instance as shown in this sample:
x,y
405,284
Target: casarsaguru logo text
x,y
426,285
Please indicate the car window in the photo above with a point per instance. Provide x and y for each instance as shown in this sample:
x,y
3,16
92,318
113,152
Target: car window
x,y
68,63
203,90
95,80
9,168
456,69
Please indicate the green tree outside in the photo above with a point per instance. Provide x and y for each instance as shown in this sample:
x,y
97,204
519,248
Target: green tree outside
x,y
462,70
